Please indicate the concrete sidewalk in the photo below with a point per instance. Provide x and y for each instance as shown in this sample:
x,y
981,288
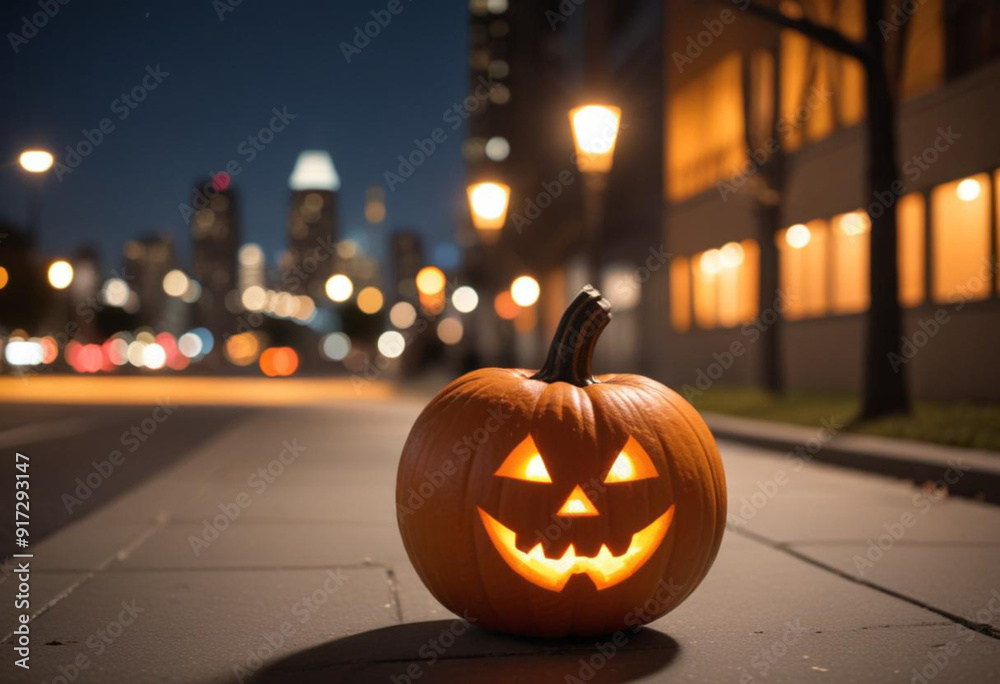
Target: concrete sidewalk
x,y
825,575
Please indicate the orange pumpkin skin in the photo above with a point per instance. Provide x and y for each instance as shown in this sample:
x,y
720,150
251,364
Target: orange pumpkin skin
x,y
447,479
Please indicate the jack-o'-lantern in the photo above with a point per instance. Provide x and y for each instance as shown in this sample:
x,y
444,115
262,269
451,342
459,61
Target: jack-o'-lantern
x,y
556,503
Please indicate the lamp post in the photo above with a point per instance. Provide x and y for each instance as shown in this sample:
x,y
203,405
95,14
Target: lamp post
x,y
488,203
595,132
36,162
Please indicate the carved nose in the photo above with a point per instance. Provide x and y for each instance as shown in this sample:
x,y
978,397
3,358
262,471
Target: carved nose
x,y
577,505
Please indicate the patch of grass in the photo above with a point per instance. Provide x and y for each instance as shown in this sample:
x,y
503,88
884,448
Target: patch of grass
x,y
960,424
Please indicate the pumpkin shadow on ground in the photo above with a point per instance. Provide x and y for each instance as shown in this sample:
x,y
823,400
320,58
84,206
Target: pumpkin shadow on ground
x,y
452,651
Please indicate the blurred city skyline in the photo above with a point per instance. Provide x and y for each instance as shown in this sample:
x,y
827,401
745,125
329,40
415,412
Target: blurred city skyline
x,y
143,168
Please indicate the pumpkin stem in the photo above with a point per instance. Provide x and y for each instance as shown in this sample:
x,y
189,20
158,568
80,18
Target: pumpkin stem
x,y
576,336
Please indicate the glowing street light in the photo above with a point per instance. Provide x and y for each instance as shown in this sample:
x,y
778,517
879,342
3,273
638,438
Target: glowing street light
x,y
595,132
488,202
60,274
524,291
36,161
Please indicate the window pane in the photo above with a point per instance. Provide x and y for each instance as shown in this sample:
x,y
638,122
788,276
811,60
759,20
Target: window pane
x,y
803,268
680,294
960,234
705,140
749,281
910,228
849,243
706,283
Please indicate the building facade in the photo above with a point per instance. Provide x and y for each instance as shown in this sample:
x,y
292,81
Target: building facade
x,y
740,171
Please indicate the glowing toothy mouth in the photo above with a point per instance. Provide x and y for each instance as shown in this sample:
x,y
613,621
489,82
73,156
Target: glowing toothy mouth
x,y
604,569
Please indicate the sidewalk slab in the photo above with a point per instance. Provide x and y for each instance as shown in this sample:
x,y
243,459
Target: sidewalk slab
x,y
907,459
960,579
195,626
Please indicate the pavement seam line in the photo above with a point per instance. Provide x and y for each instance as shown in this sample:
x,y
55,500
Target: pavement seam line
x,y
119,555
394,591
981,628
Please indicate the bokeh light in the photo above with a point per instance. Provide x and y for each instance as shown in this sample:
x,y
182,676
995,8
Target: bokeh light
x,y
391,344
335,346
525,291
370,300
430,280
465,299
339,288
402,315
60,274
450,330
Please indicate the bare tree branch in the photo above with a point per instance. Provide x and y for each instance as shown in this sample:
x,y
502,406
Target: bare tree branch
x,y
827,37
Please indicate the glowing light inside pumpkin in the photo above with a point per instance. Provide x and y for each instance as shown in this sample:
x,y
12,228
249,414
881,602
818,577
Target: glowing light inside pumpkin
x,y
633,463
604,570
577,505
524,463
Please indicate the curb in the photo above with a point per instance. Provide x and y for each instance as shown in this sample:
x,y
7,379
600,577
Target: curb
x,y
918,462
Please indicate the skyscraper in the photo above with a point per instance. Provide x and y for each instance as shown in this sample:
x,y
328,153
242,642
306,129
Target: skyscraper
x,y
215,233
147,261
313,225
407,258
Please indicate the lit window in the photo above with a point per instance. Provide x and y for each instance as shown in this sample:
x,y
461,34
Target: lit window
x,y
705,140
803,269
960,239
910,213
849,247
726,285
680,294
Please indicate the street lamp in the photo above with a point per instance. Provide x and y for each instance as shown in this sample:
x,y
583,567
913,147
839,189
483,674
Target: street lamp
x,y
595,132
488,203
35,162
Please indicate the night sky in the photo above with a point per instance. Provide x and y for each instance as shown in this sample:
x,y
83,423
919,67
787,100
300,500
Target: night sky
x,y
224,79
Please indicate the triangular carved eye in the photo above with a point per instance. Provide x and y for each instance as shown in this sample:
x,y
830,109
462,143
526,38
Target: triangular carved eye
x,y
525,463
632,463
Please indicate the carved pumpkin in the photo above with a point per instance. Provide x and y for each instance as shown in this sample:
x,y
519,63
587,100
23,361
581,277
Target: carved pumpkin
x,y
557,503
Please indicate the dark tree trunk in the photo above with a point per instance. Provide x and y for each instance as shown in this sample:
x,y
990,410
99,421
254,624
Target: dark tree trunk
x,y
884,389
